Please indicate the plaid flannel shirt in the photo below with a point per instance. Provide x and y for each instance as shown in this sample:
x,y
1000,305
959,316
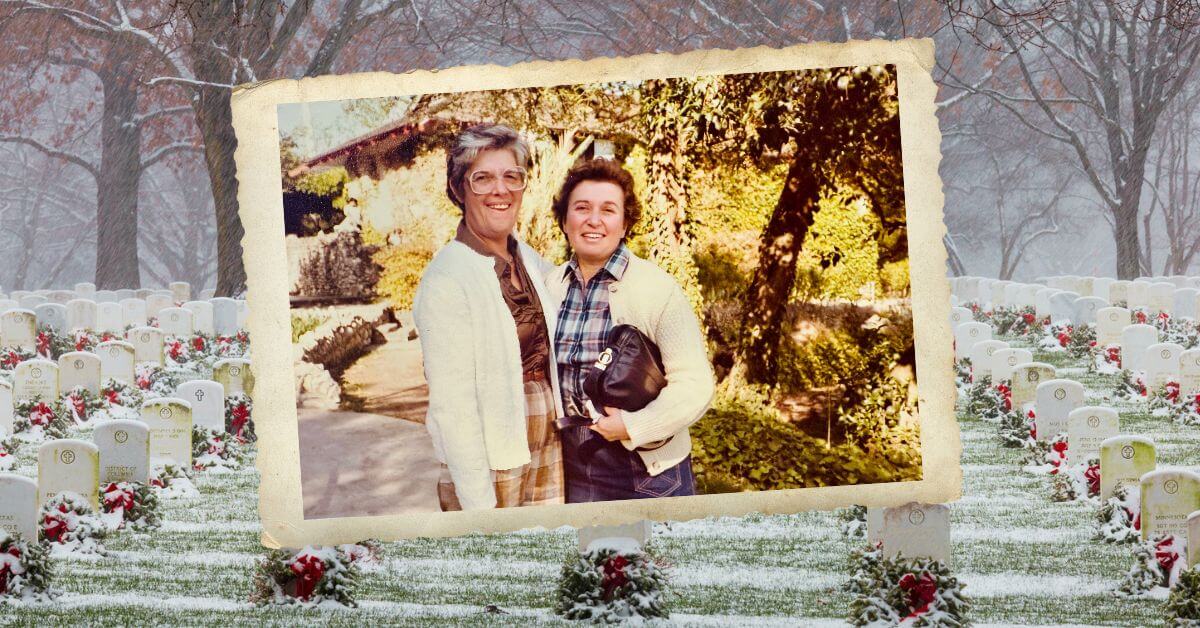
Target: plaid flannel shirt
x,y
583,325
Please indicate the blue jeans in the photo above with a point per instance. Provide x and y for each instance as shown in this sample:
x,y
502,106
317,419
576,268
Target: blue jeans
x,y
598,470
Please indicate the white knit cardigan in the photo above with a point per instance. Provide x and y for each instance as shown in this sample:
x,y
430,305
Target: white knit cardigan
x,y
472,357
650,299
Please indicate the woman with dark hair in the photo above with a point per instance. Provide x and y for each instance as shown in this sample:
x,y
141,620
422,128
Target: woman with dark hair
x,y
493,391
621,455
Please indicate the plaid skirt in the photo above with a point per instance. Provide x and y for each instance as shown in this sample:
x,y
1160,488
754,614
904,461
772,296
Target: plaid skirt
x,y
534,484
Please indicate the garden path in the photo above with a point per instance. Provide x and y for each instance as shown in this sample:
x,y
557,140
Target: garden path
x,y
389,380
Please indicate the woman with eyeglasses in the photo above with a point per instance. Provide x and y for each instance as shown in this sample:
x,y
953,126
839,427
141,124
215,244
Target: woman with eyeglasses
x,y
489,362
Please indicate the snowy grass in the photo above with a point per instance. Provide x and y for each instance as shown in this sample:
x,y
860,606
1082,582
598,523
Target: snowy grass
x,y
1025,560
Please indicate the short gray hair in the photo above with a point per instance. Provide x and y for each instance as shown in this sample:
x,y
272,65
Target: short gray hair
x,y
466,149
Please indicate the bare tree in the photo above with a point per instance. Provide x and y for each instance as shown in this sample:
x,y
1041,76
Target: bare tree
x,y
1175,188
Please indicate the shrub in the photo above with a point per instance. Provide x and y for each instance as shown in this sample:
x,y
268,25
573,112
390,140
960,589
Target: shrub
x,y
342,267
302,324
842,241
895,279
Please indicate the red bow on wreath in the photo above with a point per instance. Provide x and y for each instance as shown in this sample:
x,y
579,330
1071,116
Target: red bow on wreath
x,y
11,360
1092,475
43,348
176,350
54,526
241,415
1164,552
1006,395
921,592
1064,337
1172,390
1032,424
614,575
308,569
198,343
113,397
82,342
1113,355
5,570
1196,402
1028,318
41,414
1140,317
115,497
77,404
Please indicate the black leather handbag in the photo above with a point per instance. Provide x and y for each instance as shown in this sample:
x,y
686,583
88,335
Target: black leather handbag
x,y
629,373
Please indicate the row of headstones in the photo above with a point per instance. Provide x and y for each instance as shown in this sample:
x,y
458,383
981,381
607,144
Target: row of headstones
x,y
43,379
1140,349
1064,301
221,316
122,450
179,291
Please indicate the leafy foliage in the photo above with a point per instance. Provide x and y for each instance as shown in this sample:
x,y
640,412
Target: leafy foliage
x,y
342,267
609,585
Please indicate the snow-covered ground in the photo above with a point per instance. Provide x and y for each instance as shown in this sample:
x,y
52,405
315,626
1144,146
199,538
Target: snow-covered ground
x,y
1024,559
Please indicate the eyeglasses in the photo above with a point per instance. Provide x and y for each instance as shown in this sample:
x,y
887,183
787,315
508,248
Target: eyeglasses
x,y
484,182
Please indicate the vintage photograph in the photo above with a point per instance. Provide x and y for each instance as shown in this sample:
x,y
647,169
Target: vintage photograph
x,y
599,291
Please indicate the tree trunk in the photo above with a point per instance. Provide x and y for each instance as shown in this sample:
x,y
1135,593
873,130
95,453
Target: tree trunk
x,y
1125,233
117,187
216,125
779,250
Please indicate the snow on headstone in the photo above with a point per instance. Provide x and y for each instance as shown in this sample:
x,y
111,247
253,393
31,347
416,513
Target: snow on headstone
x,y
1118,293
1138,295
1161,363
124,447
116,361
69,465
133,312
1012,295
997,296
1135,339
7,305
1100,286
208,402
52,315
35,379
176,321
18,330
1062,306
1055,401
225,316
81,314
1025,380
170,423
1110,322
1087,428
19,506
1027,295
31,301
147,344
85,290
110,317
1162,297
1168,497
1124,460
637,533
1006,360
981,357
234,375
914,530
79,368
958,315
181,291
202,316
1189,373
1085,309
1184,301
966,335
156,303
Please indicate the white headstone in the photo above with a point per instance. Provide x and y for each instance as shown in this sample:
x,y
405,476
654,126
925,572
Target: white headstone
x,y
17,295
1041,303
1189,372
1087,428
133,312
69,465
1110,322
176,321
126,293
79,368
208,402
6,408
1118,293
61,297
142,293
156,303
124,447
1162,297
1135,339
1161,363
116,361
1062,306
997,296
207,294
170,423
31,301
147,344
202,316
981,358
1185,302
243,312
1138,295
913,530
966,335
1123,461
1168,497
1005,360
35,379
81,314
1055,401
1027,295
19,506
52,315
225,316
106,296
181,291
1100,287
110,317
1193,523
1012,295
1086,308
85,290
234,375
18,329
1025,380
7,305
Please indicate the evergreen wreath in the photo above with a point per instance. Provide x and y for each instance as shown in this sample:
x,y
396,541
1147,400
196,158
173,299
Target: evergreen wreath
x,y
215,448
903,591
1106,361
115,393
308,577
51,344
25,569
853,522
239,420
39,418
11,357
1119,520
1130,386
66,520
1183,605
1156,563
137,504
1016,428
1081,342
985,400
8,452
610,585
962,373
81,403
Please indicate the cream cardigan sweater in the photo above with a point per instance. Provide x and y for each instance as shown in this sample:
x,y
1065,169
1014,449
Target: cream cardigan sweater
x,y
649,299
472,358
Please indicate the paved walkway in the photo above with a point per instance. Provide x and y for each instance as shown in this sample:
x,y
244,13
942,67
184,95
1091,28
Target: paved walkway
x,y
354,465
389,380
